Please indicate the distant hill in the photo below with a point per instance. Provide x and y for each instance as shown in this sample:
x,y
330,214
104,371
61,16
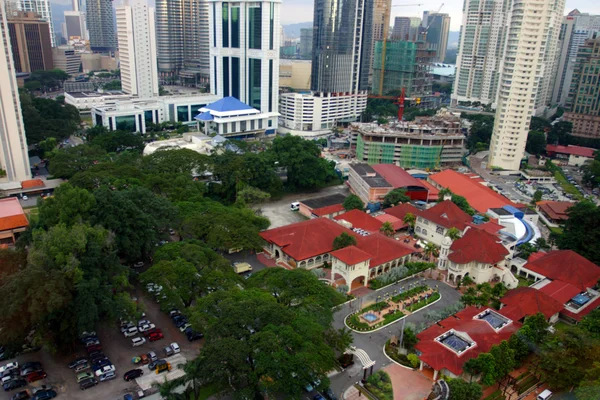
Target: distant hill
x,y
453,40
292,31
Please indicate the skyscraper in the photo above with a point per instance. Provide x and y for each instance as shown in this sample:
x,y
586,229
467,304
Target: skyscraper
x,y
30,42
437,34
406,28
342,45
75,24
576,29
14,159
306,39
532,27
43,9
169,38
244,51
101,25
137,49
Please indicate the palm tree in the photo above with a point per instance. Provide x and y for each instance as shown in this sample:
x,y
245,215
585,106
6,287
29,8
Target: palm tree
x,y
387,229
429,250
409,219
453,233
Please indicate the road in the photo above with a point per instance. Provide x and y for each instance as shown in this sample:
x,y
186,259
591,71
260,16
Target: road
x,y
374,342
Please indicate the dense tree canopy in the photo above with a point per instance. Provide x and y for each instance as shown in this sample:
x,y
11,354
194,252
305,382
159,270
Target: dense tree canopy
x,y
480,132
536,143
344,240
395,197
581,232
45,118
353,202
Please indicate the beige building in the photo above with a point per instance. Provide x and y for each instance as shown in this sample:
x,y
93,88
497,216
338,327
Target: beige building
x,y
96,62
30,41
14,160
533,29
294,74
67,59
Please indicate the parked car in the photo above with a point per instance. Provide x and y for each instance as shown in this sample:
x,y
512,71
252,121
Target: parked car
x,y
155,336
330,395
22,395
30,367
84,375
108,376
105,369
146,327
44,395
153,365
143,322
9,376
92,342
138,264
14,384
152,356
133,374
101,364
93,348
318,397
9,366
36,376
82,367
193,335
87,383
131,331
175,347
97,357
174,312
168,351
184,327
151,331
138,341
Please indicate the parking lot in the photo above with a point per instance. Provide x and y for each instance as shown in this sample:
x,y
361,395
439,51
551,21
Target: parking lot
x,y
120,352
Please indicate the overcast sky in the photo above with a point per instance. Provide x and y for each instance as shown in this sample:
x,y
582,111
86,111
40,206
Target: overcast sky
x,y
302,10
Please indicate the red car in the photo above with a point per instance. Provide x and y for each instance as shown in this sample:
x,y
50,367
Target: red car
x,y
155,336
35,376
94,348
151,331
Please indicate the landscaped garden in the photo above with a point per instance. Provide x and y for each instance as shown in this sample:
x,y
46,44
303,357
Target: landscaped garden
x,y
380,385
401,272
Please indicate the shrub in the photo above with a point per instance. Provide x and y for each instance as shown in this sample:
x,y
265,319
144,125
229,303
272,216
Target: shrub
x,y
414,360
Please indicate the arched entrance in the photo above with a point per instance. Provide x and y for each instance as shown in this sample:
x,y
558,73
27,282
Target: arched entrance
x,y
358,282
277,254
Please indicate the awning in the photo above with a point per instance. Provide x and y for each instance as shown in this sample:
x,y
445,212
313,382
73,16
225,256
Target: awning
x,y
205,116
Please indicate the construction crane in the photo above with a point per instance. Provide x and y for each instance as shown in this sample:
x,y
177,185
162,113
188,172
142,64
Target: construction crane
x,y
386,31
429,25
399,101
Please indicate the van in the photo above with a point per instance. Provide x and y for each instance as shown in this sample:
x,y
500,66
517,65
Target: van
x,y
132,331
241,267
295,206
545,395
163,367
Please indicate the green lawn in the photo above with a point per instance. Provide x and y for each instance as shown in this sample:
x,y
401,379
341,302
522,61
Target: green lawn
x,y
567,187
523,281
561,326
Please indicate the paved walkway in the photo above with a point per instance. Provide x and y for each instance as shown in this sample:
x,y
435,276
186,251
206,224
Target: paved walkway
x,y
408,384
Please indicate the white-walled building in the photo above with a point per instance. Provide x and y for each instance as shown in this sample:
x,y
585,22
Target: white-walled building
x,y
14,160
528,62
314,114
75,25
244,53
137,49
89,100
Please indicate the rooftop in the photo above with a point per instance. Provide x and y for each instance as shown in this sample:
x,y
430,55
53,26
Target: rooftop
x,y
351,255
11,214
360,219
447,214
398,177
556,210
33,183
571,150
479,196
524,301
477,245
566,266
397,223
370,176
401,210
227,104
320,202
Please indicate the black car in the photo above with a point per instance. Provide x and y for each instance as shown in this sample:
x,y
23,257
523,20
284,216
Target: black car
x,y
193,335
134,373
23,395
31,364
12,385
44,395
79,361
87,383
98,357
154,364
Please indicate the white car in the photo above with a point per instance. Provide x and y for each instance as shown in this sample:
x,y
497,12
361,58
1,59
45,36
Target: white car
x,y
143,322
106,369
9,366
146,327
131,331
175,348
138,341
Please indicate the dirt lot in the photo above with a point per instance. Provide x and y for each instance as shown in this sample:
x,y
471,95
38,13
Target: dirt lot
x,y
119,351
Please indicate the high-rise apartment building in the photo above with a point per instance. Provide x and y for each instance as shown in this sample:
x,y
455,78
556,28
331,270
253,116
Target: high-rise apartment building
x,y
576,29
137,49
381,24
43,9
14,159
169,38
342,45
406,28
437,34
532,27
30,41
75,25
244,51
306,41
101,25
583,104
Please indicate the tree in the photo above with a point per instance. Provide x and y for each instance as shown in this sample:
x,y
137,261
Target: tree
x,y
180,280
581,231
542,244
181,161
461,390
591,323
45,118
409,219
344,240
395,196
560,133
68,206
353,202
463,204
112,85
480,132
536,143
443,193
387,229
453,233
429,250
117,141
68,161
539,124
409,338
537,196
525,250
252,195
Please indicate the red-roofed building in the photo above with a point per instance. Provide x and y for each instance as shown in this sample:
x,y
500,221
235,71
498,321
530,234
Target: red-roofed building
x,y
32,184
401,210
400,179
560,291
432,192
477,254
573,155
397,223
553,213
12,220
433,224
525,301
360,219
479,196
325,206
373,182
309,244
566,266
447,345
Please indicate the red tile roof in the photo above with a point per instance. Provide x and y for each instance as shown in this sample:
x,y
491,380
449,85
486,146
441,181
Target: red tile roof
x,y
360,219
490,227
525,301
583,312
383,249
397,223
574,150
477,245
438,356
351,255
32,183
556,210
447,214
433,192
328,210
566,266
480,197
401,210
11,214
560,291
396,176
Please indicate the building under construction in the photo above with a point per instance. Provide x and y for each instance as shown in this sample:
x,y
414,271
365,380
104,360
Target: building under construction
x,y
426,143
408,65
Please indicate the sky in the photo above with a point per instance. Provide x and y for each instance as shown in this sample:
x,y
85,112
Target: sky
x,y
294,11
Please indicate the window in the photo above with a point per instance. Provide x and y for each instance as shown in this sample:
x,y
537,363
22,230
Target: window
x,y
225,76
126,123
439,230
235,77
182,113
271,27
254,21
225,25
235,27
216,73
271,82
254,82
215,27
424,231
